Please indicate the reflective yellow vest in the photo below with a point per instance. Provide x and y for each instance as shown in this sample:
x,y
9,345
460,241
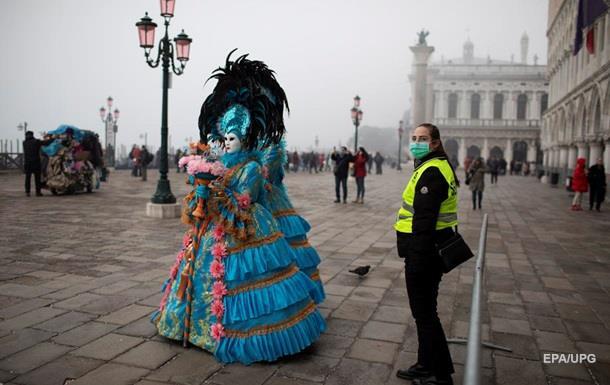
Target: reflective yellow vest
x,y
447,216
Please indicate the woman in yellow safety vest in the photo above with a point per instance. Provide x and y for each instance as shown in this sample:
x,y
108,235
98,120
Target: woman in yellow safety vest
x,y
427,217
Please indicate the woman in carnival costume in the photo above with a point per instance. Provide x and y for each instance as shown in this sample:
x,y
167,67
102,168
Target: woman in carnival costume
x,y
236,288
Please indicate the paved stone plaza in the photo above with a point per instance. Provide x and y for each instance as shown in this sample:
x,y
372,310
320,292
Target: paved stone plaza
x,y
80,275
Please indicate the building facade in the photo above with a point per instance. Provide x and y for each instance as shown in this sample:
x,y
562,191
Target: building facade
x,y
577,123
485,108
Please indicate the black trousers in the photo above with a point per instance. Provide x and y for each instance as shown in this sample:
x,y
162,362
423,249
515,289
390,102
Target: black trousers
x,y
596,196
341,180
494,177
423,276
359,187
28,180
477,194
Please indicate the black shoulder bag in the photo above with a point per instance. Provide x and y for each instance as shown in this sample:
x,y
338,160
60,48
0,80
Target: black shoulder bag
x,y
454,252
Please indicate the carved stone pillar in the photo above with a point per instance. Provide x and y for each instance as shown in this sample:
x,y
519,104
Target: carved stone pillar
x,y
595,151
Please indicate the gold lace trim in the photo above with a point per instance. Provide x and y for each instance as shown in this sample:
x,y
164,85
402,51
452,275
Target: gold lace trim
x,y
300,243
315,275
256,243
262,330
284,213
284,274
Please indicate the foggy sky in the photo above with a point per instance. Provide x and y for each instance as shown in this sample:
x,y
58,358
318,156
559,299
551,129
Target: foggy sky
x,y
63,58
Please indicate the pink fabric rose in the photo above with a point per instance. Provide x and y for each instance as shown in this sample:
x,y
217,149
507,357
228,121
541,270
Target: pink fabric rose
x,y
218,309
217,169
219,233
186,240
219,250
218,331
217,269
219,290
243,201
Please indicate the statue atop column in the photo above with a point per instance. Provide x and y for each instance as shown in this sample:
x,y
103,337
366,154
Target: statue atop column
x,y
422,37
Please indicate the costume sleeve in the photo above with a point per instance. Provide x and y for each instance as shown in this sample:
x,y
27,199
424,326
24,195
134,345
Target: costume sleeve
x,y
431,190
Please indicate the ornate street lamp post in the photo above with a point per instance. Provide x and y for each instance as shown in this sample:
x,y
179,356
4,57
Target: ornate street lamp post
x,y
356,119
23,127
400,132
165,57
110,122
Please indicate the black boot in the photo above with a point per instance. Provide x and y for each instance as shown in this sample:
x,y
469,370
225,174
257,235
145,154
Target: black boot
x,y
414,371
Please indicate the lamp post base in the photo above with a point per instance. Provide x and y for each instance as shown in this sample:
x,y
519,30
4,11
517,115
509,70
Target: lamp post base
x,y
163,210
164,193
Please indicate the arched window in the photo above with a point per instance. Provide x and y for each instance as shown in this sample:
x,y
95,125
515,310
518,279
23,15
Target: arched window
x,y
544,103
453,101
475,106
521,106
498,104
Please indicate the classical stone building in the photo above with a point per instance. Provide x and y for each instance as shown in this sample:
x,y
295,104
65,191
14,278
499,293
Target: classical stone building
x,y
577,123
484,107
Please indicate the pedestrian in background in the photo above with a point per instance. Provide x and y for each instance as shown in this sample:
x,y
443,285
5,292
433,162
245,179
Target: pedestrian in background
x,y
341,170
378,159
597,184
426,218
467,163
134,155
177,160
494,170
476,181
361,160
579,183
144,160
32,163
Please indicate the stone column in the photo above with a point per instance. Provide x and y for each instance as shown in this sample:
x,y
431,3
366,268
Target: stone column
x,y
572,158
531,152
595,151
512,106
421,55
582,151
462,151
485,102
429,102
534,106
545,160
462,103
508,154
563,162
607,157
485,150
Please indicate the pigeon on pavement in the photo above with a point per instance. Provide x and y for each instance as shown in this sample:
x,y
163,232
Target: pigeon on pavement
x,y
361,270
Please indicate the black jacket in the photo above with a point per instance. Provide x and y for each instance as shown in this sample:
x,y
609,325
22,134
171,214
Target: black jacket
x,y
597,176
31,154
430,191
342,163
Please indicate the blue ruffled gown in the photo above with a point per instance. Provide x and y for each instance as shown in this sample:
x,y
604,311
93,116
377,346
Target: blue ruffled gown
x,y
237,291
293,226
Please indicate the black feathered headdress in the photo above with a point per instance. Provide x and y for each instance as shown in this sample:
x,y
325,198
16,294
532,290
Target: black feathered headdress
x,y
251,84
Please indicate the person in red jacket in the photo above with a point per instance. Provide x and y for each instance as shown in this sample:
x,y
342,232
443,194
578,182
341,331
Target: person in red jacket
x,y
360,162
579,183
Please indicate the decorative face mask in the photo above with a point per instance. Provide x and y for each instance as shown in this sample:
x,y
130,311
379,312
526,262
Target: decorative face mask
x,y
215,144
232,143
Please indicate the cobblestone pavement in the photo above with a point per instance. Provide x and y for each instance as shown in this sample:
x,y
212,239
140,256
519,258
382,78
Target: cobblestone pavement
x,y
80,275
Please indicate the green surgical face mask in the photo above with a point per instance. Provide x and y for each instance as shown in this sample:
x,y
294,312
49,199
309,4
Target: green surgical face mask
x,y
419,149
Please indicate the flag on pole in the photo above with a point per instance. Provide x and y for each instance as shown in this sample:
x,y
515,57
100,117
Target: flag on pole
x,y
588,12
